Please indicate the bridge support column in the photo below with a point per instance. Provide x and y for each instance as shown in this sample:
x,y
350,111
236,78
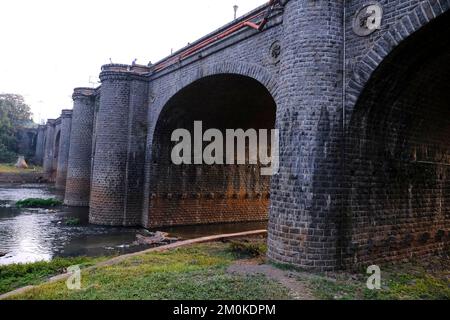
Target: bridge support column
x,y
303,227
118,166
40,140
78,180
63,158
48,148
56,145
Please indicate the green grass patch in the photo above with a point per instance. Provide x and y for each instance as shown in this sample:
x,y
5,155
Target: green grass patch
x,y
326,289
412,287
73,222
409,281
252,248
191,273
38,203
19,275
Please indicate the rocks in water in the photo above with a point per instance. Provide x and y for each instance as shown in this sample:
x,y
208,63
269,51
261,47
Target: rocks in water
x,y
2,254
157,238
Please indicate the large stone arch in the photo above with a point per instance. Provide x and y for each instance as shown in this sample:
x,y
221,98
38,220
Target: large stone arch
x,y
183,80
217,74
397,151
422,15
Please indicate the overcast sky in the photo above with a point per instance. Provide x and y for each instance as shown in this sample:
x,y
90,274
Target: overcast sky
x,y
50,47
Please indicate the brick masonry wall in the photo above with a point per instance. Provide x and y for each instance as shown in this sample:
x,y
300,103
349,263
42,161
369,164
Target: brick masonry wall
x,y
64,148
40,143
202,194
117,181
398,154
305,196
49,149
56,148
363,148
247,54
78,181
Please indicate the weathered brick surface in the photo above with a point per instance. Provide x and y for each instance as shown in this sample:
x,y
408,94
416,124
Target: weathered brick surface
x,y
364,135
200,194
79,166
64,146
397,154
49,149
117,181
305,197
55,149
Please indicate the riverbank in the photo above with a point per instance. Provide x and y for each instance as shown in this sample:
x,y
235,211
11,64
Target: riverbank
x,y
17,276
10,174
237,269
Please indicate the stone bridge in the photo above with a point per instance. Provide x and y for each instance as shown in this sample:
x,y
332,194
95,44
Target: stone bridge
x,y
360,93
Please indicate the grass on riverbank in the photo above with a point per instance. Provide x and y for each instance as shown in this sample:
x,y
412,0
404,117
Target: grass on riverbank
x,y
20,275
202,272
196,272
10,168
429,280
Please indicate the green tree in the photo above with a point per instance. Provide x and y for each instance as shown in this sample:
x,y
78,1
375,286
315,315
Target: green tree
x,y
14,113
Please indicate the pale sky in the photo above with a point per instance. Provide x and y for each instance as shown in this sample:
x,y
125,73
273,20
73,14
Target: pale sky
x,y
50,47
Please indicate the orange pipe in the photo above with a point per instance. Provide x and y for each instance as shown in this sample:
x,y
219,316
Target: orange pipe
x,y
229,31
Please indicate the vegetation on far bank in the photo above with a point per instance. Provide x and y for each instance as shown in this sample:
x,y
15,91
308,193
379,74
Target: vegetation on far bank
x,y
20,275
38,203
14,114
10,168
202,272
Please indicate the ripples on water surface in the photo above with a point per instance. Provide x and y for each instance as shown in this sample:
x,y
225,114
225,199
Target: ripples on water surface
x,y
28,235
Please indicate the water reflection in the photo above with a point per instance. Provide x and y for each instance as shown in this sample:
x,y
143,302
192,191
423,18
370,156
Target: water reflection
x,y
28,235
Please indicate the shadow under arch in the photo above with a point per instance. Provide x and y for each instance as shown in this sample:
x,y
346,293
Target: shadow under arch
x,y
205,194
424,14
398,153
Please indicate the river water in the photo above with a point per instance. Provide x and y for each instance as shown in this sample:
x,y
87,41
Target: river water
x,y
29,235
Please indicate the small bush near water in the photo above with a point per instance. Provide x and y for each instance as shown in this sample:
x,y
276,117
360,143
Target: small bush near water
x,y
38,203
73,222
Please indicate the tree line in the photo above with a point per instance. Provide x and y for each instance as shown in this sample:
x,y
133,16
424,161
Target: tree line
x,y
14,114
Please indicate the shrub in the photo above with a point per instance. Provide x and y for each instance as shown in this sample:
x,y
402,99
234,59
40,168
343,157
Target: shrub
x,y
38,203
7,156
249,248
72,222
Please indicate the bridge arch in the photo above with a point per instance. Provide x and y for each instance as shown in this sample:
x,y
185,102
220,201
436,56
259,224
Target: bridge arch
x,y
254,71
222,96
425,13
398,152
